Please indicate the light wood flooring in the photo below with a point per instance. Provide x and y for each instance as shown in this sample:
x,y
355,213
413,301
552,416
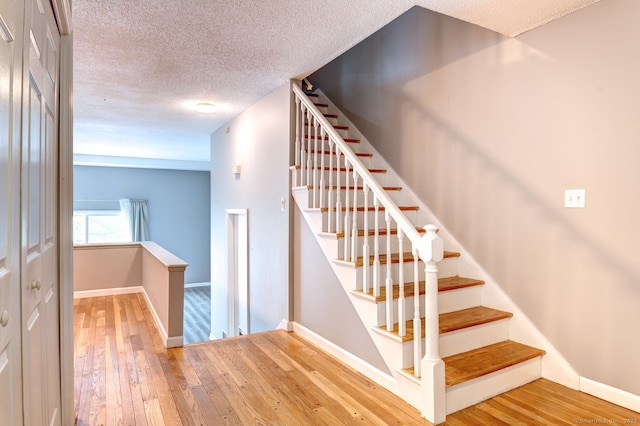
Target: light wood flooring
x,y
124,376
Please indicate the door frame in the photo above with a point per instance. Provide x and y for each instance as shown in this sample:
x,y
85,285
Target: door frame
x,y
233,215
62,12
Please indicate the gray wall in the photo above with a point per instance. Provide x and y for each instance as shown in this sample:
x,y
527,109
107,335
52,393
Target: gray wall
x,y
179,211
320,302
258,140
490,131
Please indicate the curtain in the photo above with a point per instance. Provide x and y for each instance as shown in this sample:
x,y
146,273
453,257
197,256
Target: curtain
x,y
137,217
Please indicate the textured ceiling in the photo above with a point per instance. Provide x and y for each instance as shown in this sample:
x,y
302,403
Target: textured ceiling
x,y
141,65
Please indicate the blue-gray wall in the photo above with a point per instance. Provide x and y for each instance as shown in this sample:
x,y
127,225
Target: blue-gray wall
x,y
179,207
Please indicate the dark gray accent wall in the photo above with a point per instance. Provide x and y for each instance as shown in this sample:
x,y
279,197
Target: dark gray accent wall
x,y
179,207
489,131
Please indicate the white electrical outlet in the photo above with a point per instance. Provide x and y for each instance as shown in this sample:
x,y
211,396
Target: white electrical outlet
x,y
574,198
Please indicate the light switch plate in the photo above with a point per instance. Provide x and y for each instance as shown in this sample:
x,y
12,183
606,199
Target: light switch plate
x,y
574,198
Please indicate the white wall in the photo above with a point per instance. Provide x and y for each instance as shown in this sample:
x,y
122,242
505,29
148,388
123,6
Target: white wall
x,y
179,215
489,131
258,140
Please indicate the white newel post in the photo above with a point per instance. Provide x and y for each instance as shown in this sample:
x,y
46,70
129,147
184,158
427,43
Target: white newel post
x,y
431,250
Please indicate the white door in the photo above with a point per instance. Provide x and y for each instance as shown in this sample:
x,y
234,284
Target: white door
x,y
11,20
40,287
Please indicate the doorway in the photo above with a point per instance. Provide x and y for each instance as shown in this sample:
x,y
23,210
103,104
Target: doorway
x,y
238,275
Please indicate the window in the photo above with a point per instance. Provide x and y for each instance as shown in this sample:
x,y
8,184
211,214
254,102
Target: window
x,y
99,226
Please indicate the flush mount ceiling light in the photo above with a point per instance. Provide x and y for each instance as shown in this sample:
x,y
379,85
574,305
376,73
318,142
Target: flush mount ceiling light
x,y
205,107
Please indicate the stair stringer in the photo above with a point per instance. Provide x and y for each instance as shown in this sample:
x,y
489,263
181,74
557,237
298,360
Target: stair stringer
x,y
554,366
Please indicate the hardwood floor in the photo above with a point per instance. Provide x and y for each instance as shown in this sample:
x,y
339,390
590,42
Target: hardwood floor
x,y
124,376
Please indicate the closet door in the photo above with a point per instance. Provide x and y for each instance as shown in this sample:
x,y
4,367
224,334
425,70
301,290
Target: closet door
x,y
11,18
40,286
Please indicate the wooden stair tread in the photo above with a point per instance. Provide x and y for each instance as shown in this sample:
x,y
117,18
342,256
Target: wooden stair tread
x,y
359,188
455,283
342,169
372,233
444,284
358,154
337,127
372,209
326,138
395,258
321,105
465,318
453,321
476,363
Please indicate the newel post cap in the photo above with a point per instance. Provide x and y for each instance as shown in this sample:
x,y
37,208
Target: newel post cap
x,y
431,248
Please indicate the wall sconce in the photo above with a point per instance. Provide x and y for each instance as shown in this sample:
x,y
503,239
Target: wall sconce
x,y
236,170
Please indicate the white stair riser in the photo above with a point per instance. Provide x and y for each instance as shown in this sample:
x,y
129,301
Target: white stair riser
x,y
465,298
332,177
464,340
462,298
322,109
381,310
310,131
446,268
411,215
341,195
396,354
451,343
331,120
382,245
477,390
331,160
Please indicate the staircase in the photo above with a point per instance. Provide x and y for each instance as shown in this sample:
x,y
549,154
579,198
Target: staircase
x,y
402,283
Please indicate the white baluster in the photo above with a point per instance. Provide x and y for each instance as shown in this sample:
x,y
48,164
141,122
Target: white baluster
x,y
389,280
338,193
354,222
402,316
365,243
322,171
297,143
330,195
315,162
417,323
376,248
303,143
308,139
347,212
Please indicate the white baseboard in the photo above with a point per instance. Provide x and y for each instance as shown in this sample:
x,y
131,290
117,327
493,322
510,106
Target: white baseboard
x,y
383,379
107,292
169,342
609,393
285,325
